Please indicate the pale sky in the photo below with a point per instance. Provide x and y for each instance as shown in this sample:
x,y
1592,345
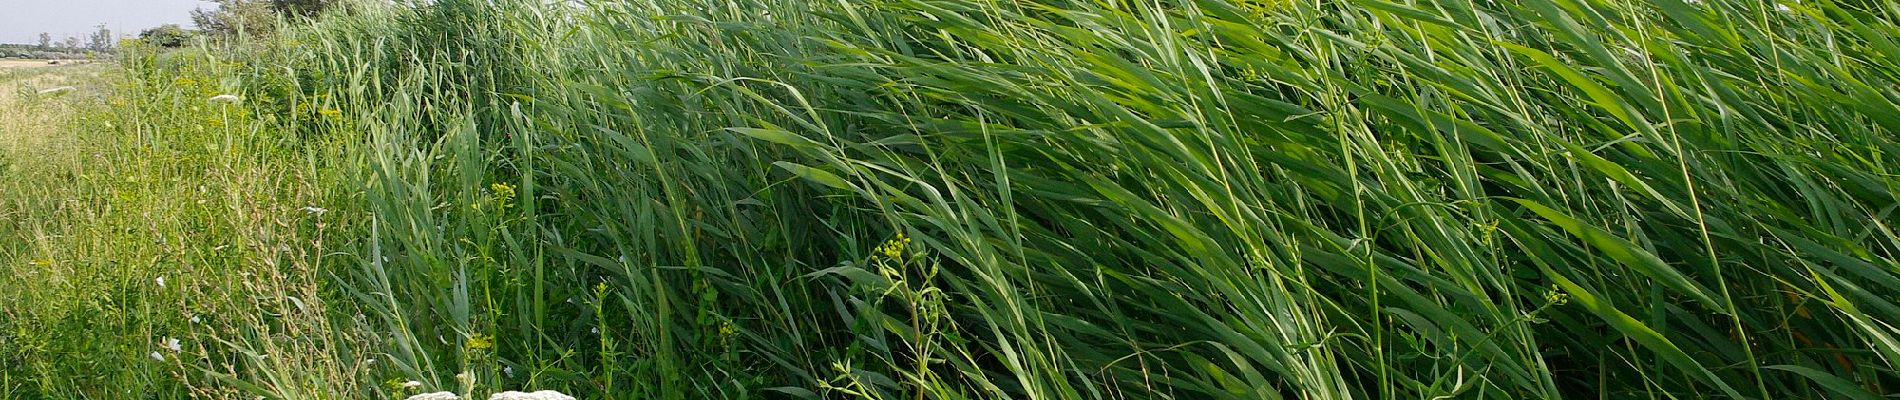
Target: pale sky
x,y
21,21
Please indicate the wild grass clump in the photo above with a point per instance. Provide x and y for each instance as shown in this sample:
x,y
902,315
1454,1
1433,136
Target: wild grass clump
x,y
155,243
915,199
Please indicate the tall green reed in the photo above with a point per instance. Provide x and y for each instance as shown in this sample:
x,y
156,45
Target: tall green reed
x,y
1055,199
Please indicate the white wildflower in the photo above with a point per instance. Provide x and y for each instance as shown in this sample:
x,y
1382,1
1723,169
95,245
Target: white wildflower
x,y
161,281
411,385
435,396
595,330
156,356
508,371
194,319
224,98
540,395
172,343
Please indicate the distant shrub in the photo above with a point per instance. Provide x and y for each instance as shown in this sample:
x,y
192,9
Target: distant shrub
x,y
254,17
168,36
47,55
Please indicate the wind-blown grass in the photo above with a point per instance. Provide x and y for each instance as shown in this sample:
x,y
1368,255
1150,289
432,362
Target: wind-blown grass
x,y
981,199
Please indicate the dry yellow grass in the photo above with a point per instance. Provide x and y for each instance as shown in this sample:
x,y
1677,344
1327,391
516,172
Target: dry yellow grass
x,y
35,139
31,121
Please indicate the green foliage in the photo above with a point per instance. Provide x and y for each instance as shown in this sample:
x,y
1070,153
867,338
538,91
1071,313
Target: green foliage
x,y
171,218
255,18
168,36
953,199
101,39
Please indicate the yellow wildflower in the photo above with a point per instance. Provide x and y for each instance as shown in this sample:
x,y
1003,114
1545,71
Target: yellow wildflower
x,y
1556,298
895,247
504,193
480,342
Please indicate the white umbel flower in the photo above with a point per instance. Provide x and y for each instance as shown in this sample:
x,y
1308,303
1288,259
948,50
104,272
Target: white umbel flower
x,y
224,98
540,395
435,396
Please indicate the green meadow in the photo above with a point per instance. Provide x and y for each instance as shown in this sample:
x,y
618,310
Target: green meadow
x,y
967,199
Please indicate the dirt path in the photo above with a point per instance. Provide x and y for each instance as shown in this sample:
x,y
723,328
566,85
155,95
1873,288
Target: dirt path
x,y
25,64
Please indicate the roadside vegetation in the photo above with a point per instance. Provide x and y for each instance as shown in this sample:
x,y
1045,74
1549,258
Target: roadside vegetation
x,y
951,199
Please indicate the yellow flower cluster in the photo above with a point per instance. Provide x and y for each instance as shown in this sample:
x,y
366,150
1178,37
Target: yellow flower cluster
x,y
504,193
1556,298
895,247
727,329
480,342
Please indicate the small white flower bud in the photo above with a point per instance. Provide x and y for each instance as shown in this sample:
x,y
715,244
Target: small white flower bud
x,y
435,396
540,395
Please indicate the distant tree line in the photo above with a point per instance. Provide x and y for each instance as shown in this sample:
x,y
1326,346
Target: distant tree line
x,y
230,18
99,41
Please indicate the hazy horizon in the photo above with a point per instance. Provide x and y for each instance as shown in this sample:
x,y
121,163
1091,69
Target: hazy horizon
x,y
24,20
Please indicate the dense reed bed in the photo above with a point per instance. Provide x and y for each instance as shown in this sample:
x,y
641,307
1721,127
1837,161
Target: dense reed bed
x,y
949,199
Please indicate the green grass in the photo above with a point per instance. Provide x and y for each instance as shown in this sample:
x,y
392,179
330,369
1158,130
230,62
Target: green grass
x,y
949,199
